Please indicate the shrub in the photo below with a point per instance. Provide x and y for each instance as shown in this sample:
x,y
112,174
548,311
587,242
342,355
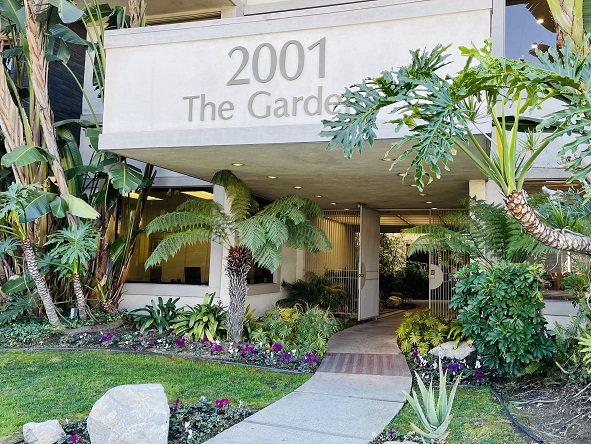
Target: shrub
x,y
501,311
156,316
316,290
304,332
29,332
203,320
421,331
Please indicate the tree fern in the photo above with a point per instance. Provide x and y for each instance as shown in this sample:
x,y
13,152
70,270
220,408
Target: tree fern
x,y
172,244
241,201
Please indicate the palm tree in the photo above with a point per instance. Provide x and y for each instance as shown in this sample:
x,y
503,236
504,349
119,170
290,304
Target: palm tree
x,y
444,114
74,247
248,234
485,232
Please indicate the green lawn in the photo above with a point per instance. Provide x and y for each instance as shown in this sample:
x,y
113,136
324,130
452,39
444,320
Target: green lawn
x,y
478,419
41,385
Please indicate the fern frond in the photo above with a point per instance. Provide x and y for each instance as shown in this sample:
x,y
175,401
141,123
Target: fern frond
x,y
237,192
172,244
268,256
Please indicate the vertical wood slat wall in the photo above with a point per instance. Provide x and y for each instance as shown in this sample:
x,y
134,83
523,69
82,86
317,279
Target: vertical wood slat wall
x,y
340,264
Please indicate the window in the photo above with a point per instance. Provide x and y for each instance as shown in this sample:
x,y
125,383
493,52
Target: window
x,y
528,25
190,265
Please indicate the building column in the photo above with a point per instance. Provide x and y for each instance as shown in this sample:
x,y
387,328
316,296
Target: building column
x,y
485,190
218,281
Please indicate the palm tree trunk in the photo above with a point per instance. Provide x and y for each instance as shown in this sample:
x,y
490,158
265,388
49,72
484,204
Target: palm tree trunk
x,y
40,284
518,206
80,299
137,13
237,269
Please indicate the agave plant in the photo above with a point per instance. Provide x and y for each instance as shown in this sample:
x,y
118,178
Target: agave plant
x,y
435,417
159,316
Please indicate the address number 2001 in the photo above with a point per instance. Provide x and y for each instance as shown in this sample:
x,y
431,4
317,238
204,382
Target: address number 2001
x,y
289,71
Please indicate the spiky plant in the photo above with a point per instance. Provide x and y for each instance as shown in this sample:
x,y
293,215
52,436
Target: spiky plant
x,y
247,233
484,231
73,247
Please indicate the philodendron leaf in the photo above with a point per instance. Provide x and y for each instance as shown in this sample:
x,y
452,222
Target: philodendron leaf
x,y
67,11
125,178
24,155
78,207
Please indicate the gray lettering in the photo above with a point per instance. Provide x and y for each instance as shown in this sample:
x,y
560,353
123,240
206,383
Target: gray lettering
x,y
204,105
256,63
283,60
225,106
295,104
331,103
251,103
317,99
190,99
282,109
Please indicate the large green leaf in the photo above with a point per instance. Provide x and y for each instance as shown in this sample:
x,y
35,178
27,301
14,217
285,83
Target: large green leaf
x,y
125,178
59,207
13,11
68,12
24,155
78,207
37,204
117,250
67,35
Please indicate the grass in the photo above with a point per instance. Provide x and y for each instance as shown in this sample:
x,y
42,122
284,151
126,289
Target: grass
x,y
41,385
478,419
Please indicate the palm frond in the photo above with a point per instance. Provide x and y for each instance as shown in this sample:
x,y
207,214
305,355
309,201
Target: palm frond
x,y
268,256
308,236
241,201
171,244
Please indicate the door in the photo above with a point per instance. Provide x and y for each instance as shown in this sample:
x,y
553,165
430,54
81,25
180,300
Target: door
x,y
369,264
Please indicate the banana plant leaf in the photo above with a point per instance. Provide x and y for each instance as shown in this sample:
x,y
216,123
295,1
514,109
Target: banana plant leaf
x,y
67,11
24,155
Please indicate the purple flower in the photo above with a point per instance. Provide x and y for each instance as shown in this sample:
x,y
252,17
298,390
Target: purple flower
x,y
106,337
221,403
285,357
479,375
180,342
277,347
454,366
175,407
309,358
151,344
73,438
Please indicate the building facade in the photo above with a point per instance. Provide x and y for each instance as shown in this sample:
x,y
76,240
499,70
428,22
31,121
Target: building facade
x,y
245,85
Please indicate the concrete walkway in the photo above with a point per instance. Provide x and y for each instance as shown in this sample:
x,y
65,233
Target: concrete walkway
x,y
355,392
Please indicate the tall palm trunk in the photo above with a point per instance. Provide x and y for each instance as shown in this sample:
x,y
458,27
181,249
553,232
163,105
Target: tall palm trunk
x,y
80,299
518,206
237,268
40,284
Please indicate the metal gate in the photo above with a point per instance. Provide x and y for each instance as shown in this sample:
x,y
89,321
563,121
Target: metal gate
x,y
340,264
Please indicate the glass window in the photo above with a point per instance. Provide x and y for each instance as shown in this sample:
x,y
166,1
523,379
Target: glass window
x,y
528,24
190,265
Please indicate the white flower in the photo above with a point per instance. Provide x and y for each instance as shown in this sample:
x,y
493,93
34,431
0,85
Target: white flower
x,y
435,365
187,425
477,365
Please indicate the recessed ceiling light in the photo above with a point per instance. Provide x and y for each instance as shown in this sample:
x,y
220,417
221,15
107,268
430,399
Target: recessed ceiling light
x,y
297,187
422,194
540,21
318,196
272,177
387,159
333,203
413,184
428,201
402,174
433,208
237,164
346,209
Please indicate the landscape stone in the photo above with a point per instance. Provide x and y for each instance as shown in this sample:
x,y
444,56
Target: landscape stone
x,y
448,350
130,414
395,300
46,432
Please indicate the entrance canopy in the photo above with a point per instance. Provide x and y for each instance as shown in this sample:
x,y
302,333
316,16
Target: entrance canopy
x,y
250,93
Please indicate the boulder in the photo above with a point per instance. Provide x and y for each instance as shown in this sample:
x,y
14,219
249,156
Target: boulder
x,y
448,350
394,300
130,414
46,432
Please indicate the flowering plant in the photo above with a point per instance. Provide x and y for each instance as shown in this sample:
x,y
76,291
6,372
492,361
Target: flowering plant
x,y
471,367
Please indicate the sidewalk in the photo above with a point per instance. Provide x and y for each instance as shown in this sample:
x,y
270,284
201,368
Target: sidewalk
x,y
355,392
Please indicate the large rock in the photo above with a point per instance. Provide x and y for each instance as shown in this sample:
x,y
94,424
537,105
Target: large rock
x,y
130,414
448,350
46,432
395,300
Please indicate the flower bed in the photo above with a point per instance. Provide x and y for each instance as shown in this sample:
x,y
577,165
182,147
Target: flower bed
x,y
189,424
